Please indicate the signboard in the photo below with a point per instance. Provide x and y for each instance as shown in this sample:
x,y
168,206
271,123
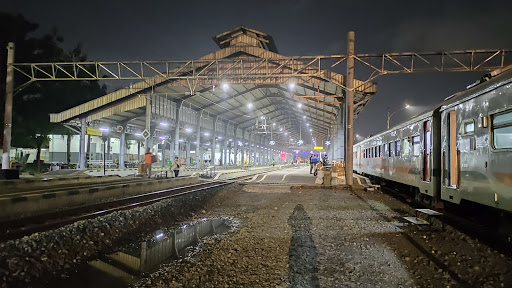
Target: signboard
x,y
319,148
93,132
146,134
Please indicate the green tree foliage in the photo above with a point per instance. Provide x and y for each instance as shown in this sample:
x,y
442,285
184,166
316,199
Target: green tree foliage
x,y
32,105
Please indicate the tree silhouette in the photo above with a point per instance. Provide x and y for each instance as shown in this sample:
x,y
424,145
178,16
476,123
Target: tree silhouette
x,y
32,105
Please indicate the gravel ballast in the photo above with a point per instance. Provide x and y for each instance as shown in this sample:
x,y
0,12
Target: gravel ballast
x,y
330,238
284,237
34,260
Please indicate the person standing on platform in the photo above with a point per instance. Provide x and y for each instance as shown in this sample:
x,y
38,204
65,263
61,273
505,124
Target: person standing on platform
x,y
311,163
149,159
176,165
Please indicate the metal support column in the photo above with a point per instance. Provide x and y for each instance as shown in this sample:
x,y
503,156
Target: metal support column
x,y
242,152
177,130
249,161
122,147
171,148
214,142
148,120
235,150
187,151
8,107
225,146
138,151
198,142
350,109
221,152
109,156
81,151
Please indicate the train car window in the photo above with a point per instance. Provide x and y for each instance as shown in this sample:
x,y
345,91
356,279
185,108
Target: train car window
x,y
385,149
390,149
416,145
405,147
468,127
502,130
380,152
397,150
427,142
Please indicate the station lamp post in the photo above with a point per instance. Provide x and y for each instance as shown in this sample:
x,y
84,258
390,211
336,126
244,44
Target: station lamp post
x,y
389,115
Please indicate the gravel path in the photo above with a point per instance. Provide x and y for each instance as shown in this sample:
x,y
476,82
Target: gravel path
x,y
308,238
329,238
286,237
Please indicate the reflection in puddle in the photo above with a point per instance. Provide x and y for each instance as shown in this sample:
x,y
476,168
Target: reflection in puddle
x,y
126,267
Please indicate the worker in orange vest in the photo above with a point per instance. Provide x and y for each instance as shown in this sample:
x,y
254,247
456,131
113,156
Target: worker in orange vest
x,y
149,159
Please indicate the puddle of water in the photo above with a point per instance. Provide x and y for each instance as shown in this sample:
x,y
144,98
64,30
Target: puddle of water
x,y
126,267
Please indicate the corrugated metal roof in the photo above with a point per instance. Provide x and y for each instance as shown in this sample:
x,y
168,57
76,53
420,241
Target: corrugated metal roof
x,y
269,96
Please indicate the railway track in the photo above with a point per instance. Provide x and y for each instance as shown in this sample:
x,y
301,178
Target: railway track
x,y
477,222
59,188
17,228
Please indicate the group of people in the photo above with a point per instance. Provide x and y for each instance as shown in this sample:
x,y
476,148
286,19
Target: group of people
x,y
314,159
150,158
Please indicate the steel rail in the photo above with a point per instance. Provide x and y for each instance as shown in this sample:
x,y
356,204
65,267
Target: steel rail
x,y
463,221
64,187
20,227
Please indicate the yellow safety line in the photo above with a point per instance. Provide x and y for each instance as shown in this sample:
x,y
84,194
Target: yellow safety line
x,y
272,173
284,176
359,179
254,178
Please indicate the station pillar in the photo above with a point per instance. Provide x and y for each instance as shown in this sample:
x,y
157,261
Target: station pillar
x,y
242,152
81,150
214,142
177,130
349,140
122,146
187,149
198,142
235,150
9,84
148,121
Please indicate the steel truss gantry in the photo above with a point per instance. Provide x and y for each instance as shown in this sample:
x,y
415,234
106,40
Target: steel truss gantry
x,y
246,70
282,70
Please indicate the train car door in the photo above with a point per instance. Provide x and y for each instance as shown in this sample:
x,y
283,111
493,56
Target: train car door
x,y
359,157
426,150
451,157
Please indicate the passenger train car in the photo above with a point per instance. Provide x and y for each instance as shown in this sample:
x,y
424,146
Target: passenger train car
x,y
461,150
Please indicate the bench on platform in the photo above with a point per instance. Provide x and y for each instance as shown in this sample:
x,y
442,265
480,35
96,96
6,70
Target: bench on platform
x,y
430,215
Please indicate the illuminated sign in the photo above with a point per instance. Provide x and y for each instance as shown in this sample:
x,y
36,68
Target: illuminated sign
x,y
93,131
319,148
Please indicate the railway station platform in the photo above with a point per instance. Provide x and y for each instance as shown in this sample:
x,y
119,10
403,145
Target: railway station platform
x,y
159,170
27,197
300,176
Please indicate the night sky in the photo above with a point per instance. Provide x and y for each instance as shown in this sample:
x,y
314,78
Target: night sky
x,y
178,30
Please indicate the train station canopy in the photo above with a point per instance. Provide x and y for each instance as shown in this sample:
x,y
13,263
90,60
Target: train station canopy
x,y
246,85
